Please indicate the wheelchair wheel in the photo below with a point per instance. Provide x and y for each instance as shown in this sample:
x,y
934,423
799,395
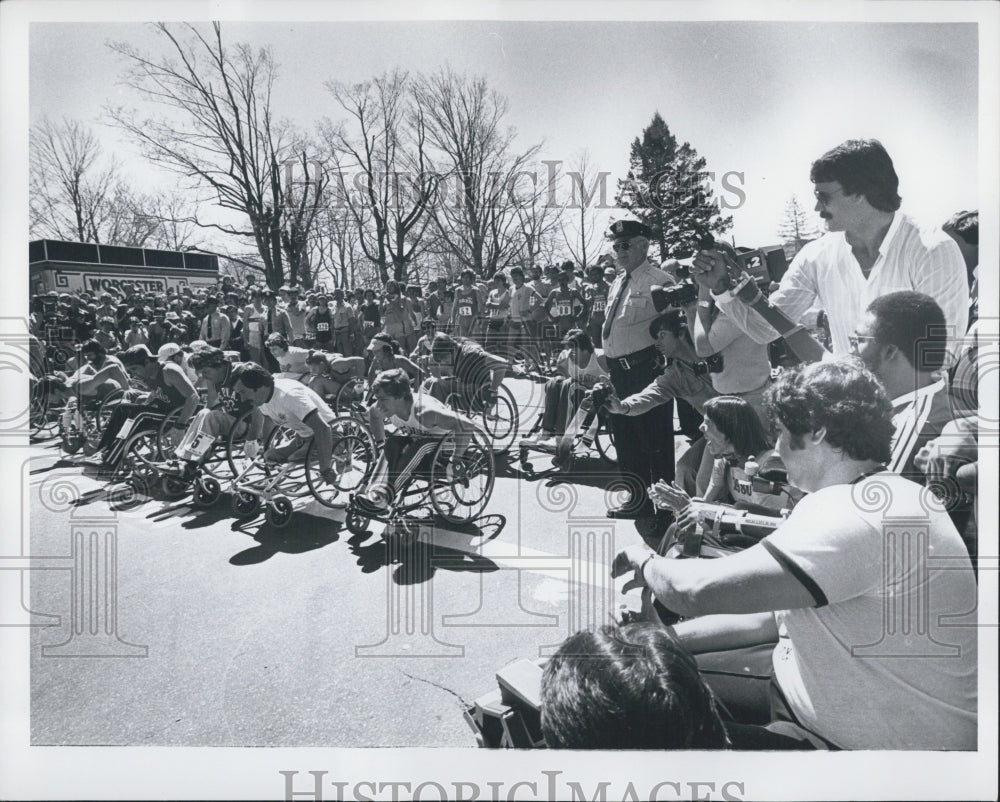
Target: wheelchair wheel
x,y
163,443
501,420
207,491
348,396
357,523
461,494
246,505
138,460
279,512
96,422
604,441
354,460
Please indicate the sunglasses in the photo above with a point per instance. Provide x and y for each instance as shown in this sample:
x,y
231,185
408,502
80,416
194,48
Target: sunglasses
x,y
855,340
620,247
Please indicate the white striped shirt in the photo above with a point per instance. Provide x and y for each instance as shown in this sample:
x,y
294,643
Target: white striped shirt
x,y
918,417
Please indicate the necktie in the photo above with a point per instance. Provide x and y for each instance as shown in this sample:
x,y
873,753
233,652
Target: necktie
x,y
610,315
209,337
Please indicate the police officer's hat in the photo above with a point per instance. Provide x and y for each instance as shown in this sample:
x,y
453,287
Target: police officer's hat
x,y
629,228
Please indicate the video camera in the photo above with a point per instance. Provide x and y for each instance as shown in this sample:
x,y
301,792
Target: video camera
x,y
765,265
678,296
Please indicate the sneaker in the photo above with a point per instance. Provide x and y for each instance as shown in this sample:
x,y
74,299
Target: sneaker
x,y
546,438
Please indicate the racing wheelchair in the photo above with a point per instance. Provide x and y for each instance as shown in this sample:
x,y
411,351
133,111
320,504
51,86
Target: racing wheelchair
x,y
454,491
260,482
589,428
498,415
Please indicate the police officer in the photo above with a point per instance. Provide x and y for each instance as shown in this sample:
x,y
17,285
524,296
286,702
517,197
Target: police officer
x,y
645,443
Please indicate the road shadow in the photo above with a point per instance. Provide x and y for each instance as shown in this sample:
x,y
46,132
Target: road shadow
x,y
291,539
426,546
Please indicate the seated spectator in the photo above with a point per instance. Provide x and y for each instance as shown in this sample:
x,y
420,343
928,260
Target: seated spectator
x,y
628,688
818,584
903,341
580,368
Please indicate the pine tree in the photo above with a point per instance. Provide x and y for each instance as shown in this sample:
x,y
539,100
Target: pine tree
x,y
797,226
667,188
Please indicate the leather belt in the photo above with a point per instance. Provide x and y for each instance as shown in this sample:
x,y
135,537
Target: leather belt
x,y
635,359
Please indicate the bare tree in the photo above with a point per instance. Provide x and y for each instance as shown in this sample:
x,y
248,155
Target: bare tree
x,y
581,226
540,213
219,133
70,191
382,177
464,121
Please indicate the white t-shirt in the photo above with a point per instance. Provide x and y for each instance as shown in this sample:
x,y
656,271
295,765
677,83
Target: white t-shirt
x,y
887,658
291,402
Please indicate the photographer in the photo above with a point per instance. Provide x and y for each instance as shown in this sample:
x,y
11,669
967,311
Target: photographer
x,y
870,249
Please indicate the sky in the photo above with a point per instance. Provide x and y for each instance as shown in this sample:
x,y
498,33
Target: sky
x,y
758,100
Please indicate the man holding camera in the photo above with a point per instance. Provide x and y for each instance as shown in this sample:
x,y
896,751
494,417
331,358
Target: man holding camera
x,y
645,443
871,249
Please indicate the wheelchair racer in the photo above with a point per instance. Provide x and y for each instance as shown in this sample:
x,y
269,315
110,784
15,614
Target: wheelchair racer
x,y
222,409
171,388
420,421
287,403
476,375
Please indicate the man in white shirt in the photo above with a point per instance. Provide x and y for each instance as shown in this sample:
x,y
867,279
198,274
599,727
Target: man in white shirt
x,y
871,249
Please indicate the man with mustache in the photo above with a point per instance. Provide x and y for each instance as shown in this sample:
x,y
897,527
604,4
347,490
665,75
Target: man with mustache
x,y
871,249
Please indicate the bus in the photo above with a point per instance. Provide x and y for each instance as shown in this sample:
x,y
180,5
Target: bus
x,y
60,266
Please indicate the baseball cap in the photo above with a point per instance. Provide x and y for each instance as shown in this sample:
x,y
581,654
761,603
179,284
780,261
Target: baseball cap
x,y
167,350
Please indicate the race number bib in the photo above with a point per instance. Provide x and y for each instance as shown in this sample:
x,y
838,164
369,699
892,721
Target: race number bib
x,y
494,312
743,487
322,326
532,301
255,327
562,310
465,311
127,427
201,444
600,304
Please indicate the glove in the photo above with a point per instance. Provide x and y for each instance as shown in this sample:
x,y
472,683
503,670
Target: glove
x,y
252,448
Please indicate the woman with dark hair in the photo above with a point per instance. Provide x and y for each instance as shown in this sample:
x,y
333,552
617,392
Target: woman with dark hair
x,y
735,439
320,320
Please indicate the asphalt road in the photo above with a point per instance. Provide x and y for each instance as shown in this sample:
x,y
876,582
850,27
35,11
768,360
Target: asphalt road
x,y
163,624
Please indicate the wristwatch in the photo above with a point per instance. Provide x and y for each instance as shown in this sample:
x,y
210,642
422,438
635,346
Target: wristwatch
x,y
642,567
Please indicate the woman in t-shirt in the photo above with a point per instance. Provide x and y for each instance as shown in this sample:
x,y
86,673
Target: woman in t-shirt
x,y
466,309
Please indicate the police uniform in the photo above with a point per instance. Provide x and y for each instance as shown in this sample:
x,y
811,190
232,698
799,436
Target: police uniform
x,y
645,443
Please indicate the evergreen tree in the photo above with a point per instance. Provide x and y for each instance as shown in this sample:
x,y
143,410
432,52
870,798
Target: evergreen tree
x,y
797,227
667,188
